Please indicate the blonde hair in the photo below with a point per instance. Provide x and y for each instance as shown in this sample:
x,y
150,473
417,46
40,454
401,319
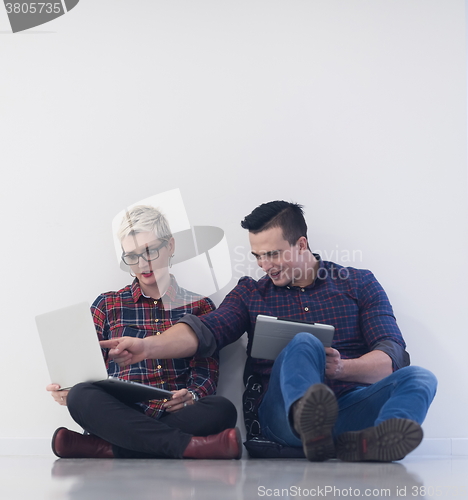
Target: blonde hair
x,y
142,219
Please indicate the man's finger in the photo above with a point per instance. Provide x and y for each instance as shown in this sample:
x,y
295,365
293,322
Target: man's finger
x,y
116,350
121,359
109,344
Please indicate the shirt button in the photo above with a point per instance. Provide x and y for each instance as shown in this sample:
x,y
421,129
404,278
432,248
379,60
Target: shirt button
x,y
302,290
306,309
155,301
156,320
158,333
159,367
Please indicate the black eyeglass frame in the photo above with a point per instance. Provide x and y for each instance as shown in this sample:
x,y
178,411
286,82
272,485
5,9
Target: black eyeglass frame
x,y
144,254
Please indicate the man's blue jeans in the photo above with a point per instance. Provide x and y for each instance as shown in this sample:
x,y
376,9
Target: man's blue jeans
x,y
406,393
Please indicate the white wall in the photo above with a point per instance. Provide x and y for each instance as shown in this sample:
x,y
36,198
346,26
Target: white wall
x,y
355,108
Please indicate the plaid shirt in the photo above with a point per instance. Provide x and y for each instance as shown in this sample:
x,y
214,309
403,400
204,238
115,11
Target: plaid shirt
x,y
128,312
350,299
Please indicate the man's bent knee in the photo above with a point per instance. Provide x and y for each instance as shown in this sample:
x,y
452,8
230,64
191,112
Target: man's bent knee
x,y
305,340
420,377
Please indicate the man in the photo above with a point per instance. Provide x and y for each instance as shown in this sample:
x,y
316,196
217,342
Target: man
x,y
358,400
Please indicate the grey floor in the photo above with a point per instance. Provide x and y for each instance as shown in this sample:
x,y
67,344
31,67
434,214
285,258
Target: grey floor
x,y
49,478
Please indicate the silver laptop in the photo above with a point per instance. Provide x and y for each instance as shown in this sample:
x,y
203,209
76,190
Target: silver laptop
x,y
272,335
73,355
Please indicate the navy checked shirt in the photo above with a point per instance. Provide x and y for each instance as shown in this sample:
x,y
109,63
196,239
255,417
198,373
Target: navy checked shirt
x,y
128,312
350,299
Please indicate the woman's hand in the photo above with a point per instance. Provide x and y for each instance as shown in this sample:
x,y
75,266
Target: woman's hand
x,y
180,399
58,395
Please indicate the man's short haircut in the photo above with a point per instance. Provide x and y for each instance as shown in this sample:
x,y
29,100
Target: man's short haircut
x,y
288,216
142,219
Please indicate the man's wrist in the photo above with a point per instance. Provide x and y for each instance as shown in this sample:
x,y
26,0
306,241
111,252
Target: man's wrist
x,y
150,345
341,372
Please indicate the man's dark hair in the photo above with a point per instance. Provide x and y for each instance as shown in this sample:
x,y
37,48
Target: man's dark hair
x,y
288,216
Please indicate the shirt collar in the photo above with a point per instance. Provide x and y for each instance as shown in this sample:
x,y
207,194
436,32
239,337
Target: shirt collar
x,y
171,291
320,274
318,278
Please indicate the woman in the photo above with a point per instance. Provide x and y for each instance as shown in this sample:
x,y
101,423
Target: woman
x,y
194,423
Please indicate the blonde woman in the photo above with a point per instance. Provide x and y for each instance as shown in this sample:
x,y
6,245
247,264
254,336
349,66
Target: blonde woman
x,y
194,423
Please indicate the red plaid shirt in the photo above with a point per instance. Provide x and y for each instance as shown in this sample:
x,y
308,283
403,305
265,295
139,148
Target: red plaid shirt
x,y
128,312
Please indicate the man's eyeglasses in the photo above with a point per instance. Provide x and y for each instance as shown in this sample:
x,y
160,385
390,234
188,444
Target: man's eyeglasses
x,y
151,253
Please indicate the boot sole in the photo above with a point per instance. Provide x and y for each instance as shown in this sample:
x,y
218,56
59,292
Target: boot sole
x,y
391,440
314,422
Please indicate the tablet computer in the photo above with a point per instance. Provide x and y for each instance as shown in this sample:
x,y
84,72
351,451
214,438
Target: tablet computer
x,y
272,335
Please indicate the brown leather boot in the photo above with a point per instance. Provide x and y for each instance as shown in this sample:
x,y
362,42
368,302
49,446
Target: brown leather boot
x,y
314,416
70,444
225,445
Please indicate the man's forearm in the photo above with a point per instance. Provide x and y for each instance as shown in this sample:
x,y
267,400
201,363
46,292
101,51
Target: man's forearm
x,y
367,369
178,341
